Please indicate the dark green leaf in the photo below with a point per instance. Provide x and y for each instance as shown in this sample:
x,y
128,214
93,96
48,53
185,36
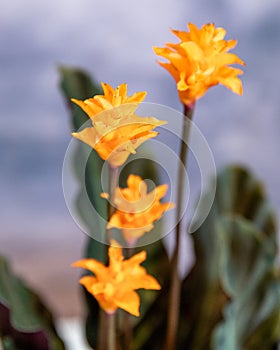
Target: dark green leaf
x,y
24,319
206,290
76,83
247,268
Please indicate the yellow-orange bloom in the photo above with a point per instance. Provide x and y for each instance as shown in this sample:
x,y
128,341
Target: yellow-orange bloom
x,y
137,210
117,131
111,98
114,286
201,60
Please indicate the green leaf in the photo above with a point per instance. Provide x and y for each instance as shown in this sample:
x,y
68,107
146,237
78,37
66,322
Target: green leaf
x,y
24,319
240,193
15,295
245,256
206,290
247,268
8,344
76,83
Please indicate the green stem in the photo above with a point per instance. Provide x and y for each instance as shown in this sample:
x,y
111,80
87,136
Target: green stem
x,y
113,182
175,286
127,321
102,331
111,322
107,331
107,323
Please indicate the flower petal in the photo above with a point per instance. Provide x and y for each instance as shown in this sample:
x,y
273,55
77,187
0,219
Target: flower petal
x,y
88,136
92,265
129,301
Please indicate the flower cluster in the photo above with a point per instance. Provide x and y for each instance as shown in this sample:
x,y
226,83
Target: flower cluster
x,y
117,132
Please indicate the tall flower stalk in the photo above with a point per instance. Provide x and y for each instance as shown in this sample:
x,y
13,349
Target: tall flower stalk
x,y
116,132
175,286
107,321
113,183
199,61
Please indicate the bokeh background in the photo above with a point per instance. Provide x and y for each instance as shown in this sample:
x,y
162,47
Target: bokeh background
x,y
113,40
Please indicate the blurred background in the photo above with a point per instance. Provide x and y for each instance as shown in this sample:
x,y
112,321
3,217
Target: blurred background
x,y
113,41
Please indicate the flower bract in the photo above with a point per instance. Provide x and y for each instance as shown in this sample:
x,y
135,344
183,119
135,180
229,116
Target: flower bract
x,y
201,60
116,131
137,209
114,286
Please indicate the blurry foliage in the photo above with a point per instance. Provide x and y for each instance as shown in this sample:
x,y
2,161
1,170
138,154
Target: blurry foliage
x,y
231,297
235,259
25,322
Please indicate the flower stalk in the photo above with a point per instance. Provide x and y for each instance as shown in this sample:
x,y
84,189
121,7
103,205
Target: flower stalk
x,y
111,322
113,182
107,331
115,134
128,333
200,60
107,322
175,287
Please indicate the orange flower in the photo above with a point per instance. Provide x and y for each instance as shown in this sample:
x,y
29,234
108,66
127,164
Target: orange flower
x,y
114,286
201,60
111,98
137,210
117,131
